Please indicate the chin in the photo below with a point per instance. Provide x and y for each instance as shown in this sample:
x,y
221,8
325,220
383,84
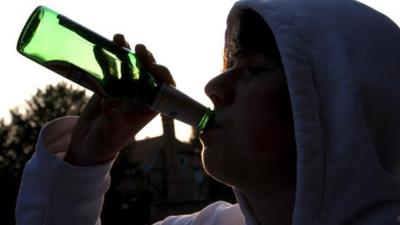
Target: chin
x,y
217,167
211,163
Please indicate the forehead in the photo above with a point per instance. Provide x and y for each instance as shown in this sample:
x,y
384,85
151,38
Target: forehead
x,y
248,32
250,56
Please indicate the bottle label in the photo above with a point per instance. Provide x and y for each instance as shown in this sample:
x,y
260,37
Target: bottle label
x,y
75,74
65,69
174,104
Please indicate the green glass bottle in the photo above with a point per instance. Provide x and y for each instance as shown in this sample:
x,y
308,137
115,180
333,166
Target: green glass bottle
x,y
96,63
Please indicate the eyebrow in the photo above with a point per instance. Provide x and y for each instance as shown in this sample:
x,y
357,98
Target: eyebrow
x,y
238,53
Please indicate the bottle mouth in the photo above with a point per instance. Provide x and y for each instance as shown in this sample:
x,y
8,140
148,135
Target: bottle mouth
x,y
30,26
206,121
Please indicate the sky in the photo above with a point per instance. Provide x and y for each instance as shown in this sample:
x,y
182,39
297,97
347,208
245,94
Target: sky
x,y
184,35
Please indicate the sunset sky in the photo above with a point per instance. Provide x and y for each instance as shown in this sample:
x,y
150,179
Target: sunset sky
x,y
185,35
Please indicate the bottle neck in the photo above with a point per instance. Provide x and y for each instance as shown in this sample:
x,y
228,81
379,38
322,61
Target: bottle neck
x,y
175,104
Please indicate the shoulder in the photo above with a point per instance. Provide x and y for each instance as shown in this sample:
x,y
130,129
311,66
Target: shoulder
x,y
217,213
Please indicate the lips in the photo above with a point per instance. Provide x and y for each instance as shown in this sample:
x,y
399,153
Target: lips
x,y
212,124
208,135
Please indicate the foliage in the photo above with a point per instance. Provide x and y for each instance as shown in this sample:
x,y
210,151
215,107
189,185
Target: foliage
x,y
18,138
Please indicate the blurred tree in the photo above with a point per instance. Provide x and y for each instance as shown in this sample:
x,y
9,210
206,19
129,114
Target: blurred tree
x,y
17,142
18,137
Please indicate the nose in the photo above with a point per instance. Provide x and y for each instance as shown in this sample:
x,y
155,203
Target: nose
x,y
220,90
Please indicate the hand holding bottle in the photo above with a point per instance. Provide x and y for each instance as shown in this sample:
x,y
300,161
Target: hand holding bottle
x,y
104,128
111,71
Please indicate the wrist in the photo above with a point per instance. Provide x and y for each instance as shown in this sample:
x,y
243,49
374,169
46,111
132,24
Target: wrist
x,y
79,158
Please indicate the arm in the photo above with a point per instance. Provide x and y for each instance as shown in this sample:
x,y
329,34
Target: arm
x,y
69,189
55,192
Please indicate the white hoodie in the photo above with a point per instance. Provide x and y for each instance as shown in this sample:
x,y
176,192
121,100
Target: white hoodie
x,y
342,62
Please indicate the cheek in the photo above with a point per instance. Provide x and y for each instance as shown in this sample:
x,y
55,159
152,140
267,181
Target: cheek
x,y
254,113
264,118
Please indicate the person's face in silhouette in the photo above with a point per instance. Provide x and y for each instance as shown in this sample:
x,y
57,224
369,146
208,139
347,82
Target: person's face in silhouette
x,y
252,140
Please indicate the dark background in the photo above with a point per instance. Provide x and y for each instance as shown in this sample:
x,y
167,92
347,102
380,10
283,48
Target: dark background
x,y
140,193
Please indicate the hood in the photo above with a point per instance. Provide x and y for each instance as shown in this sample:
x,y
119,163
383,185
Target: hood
x,y
342,64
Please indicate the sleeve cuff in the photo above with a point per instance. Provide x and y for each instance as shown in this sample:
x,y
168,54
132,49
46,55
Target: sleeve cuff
x,y
46,172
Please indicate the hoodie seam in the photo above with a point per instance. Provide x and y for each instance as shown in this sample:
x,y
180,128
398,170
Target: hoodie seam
x,y
306,58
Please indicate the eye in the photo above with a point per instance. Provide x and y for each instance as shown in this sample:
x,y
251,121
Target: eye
x,y
252,72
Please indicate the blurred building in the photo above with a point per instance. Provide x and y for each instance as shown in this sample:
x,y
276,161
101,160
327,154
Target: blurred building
x,y
175,177
158,177
173,167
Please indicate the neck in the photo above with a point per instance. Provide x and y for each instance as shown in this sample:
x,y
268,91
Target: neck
x,y
271,205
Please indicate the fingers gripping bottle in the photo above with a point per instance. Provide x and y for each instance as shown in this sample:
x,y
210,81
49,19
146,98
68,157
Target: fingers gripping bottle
x,y
97,64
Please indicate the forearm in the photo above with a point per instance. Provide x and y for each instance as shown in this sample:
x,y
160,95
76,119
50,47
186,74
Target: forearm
x,y
55,192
